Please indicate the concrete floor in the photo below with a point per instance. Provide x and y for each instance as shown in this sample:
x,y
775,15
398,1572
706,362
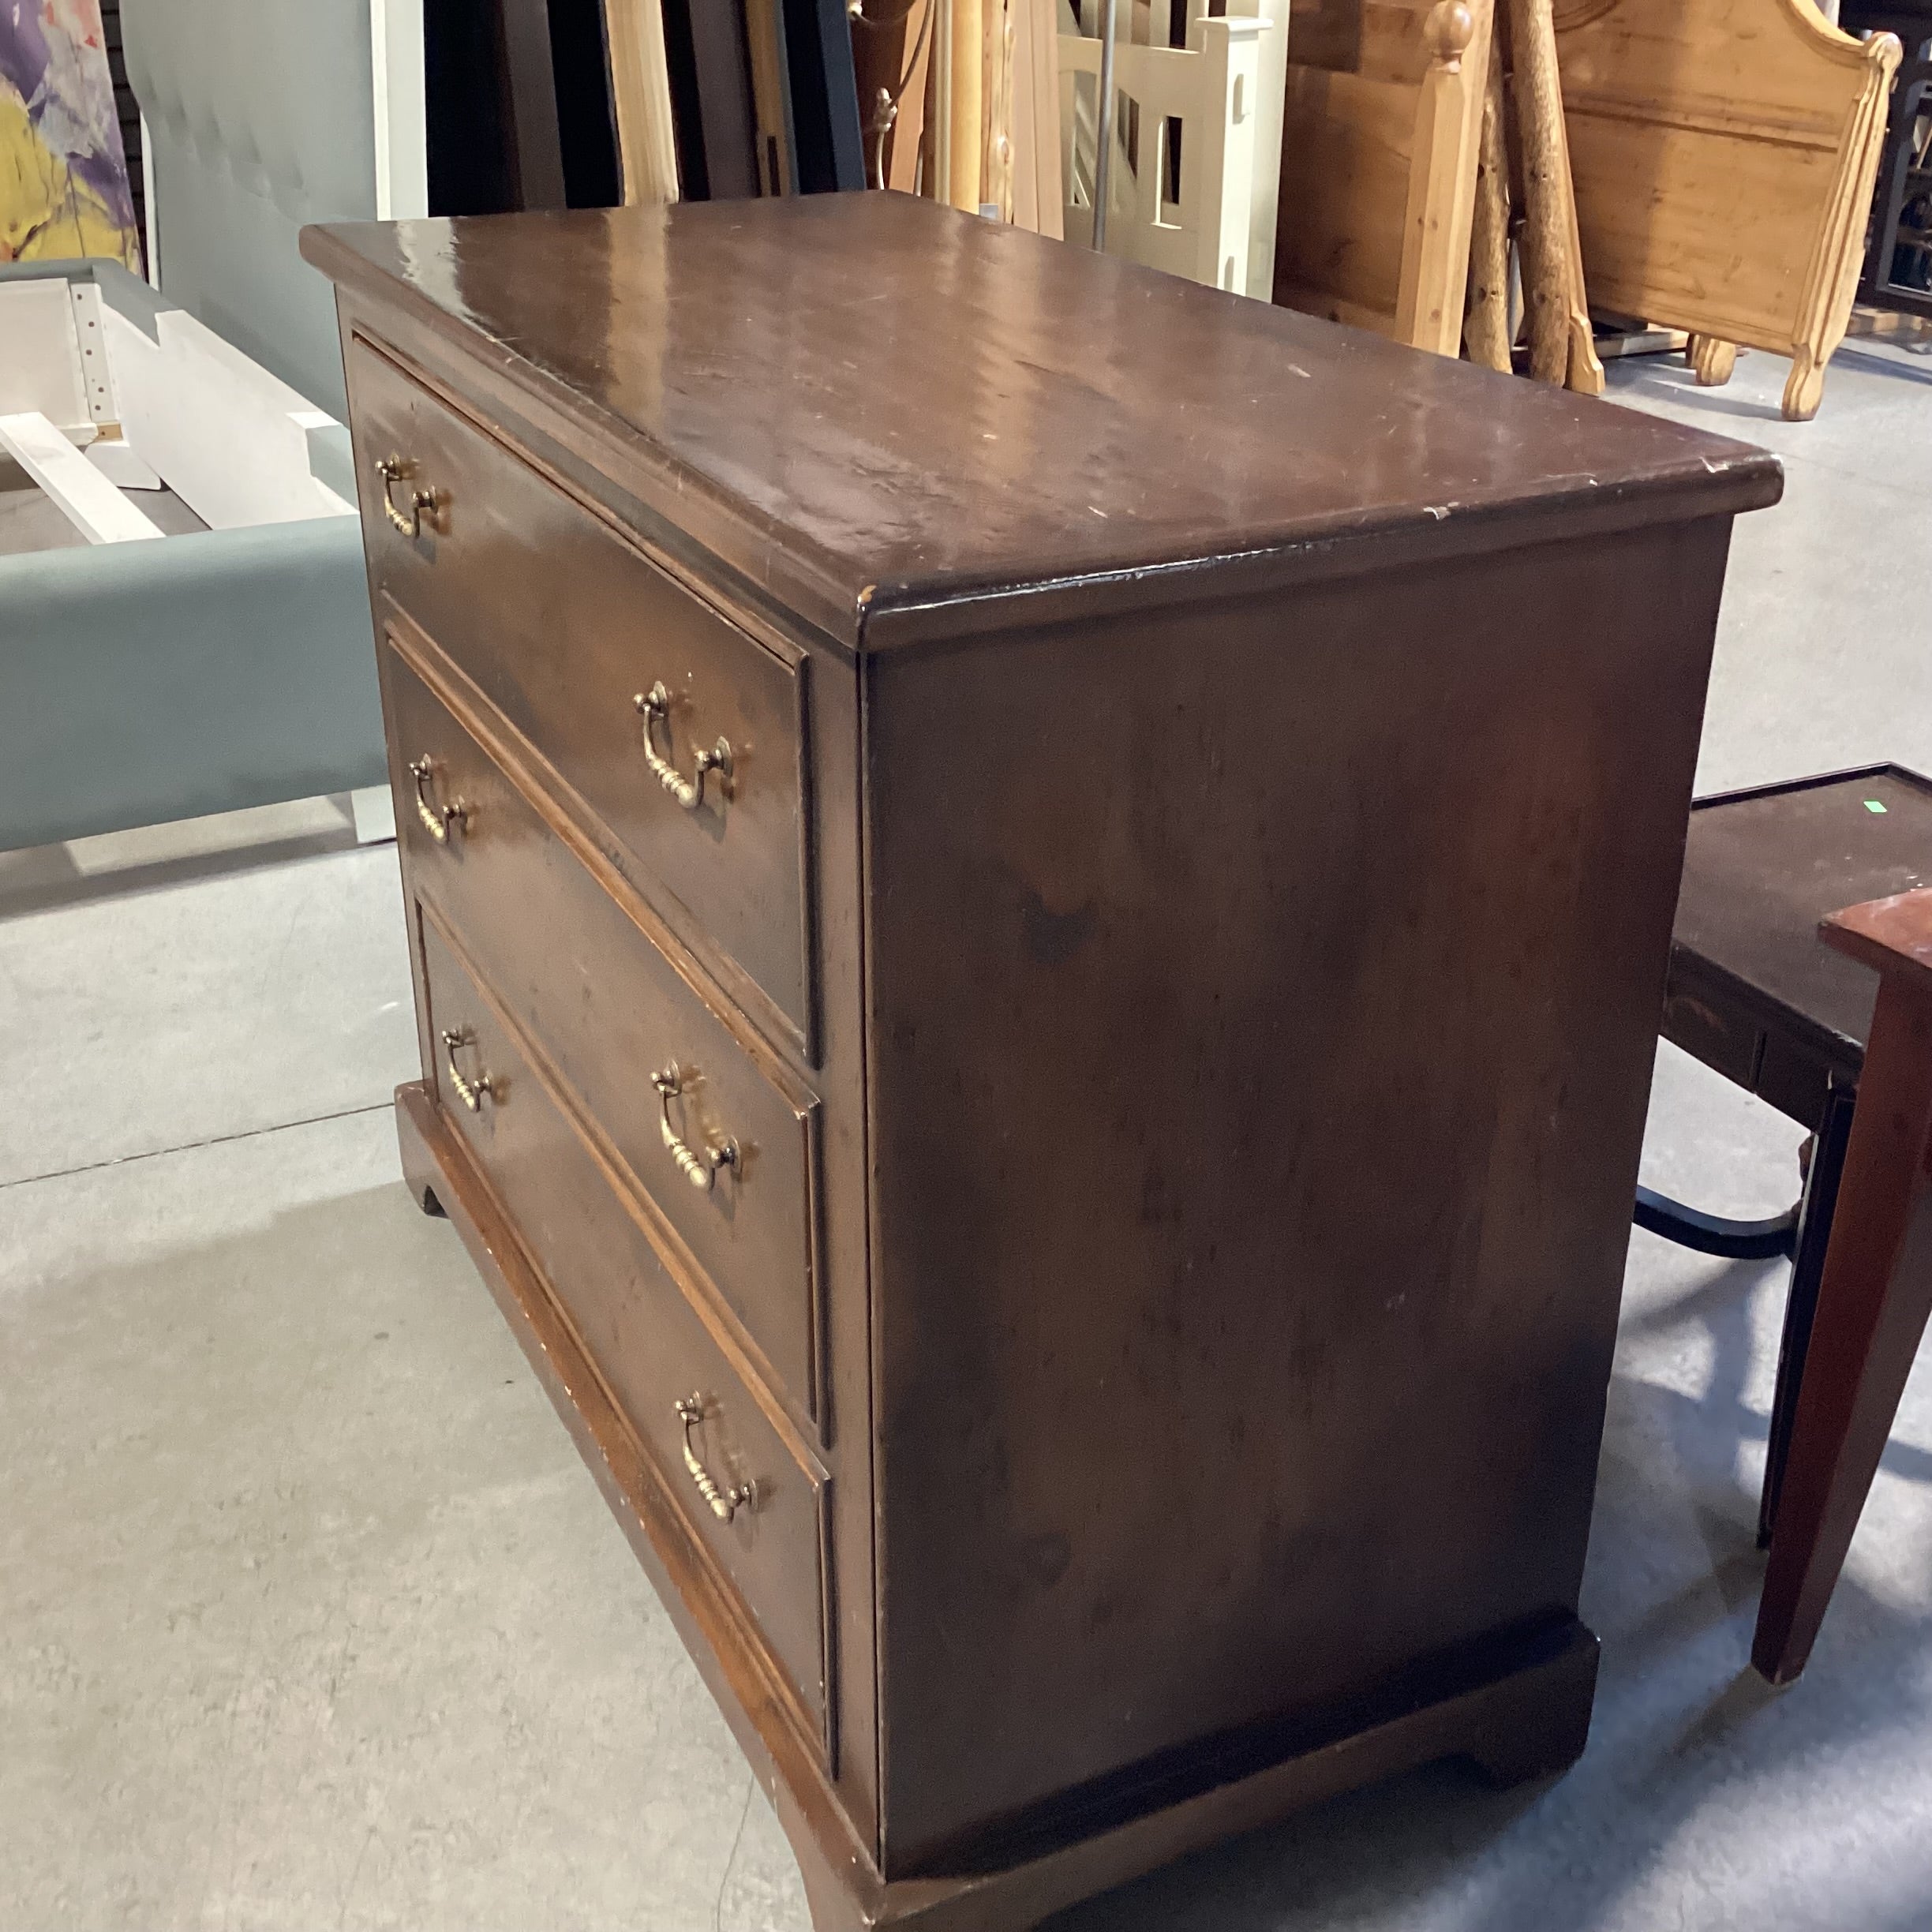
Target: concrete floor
x,y
309,1615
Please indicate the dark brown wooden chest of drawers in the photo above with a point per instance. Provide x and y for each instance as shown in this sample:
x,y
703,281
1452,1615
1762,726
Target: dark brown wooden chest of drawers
x,y
1040,900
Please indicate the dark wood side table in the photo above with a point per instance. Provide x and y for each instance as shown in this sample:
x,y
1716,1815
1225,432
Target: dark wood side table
x,y
1876,1294
1755,996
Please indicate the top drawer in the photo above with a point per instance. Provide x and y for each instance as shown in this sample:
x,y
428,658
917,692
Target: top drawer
x,y
684,735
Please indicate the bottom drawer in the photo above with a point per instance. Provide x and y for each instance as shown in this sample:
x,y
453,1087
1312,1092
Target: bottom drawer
x,y
750,1497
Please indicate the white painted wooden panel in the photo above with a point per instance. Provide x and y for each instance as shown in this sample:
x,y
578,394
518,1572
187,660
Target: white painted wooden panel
x,y
91,503
228,438
1209,89
40,369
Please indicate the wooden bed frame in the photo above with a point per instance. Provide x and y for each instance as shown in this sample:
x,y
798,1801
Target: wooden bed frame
x,y
1379,137
1723,153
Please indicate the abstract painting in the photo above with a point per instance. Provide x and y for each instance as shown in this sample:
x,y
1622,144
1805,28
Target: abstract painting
x,y
63,177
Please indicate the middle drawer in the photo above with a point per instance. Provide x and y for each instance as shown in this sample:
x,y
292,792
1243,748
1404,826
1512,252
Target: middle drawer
x,y
726,1149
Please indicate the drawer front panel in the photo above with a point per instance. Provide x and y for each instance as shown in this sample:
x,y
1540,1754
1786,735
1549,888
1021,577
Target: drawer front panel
x,y
614,1016
565,628
703,1428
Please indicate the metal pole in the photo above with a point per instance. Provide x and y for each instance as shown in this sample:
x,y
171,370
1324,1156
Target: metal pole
x,y
1103,126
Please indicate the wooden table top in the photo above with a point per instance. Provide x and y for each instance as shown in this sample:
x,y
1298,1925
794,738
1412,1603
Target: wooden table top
x,y
874,406
1763,868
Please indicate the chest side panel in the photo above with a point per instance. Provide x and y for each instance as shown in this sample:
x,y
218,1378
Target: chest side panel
x,y
1262,1005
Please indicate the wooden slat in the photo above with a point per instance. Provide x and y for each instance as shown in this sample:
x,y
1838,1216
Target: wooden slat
x,y
1442,182
967,123
1379,160
641,91
1042,58
92,504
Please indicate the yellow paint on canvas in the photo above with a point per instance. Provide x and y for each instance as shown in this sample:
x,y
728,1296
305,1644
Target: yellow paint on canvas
x,y
47,213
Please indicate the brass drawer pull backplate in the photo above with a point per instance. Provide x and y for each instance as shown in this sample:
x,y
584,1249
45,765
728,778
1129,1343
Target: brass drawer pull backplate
x,y
655,704
471,1093
438,821
725,1503
407,517
699,1165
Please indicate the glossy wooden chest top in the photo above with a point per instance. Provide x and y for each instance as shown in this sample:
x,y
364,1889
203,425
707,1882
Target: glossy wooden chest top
x,y
872,406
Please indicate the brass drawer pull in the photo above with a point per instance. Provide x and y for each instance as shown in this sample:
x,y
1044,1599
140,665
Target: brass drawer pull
x,y
469,1093
394,469
699,1166
439,821
725,1503
689,792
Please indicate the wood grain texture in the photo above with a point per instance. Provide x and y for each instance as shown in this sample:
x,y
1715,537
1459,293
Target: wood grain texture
x,y
1380,139
1712,359
1486,327
563,625
1536,97
1723,152
1876,1294
1078,1470
1188,1219
998,26
966,120
641,1336
630,327
1038,191
1437,227
1892,934
1521,1711
641,94
583,972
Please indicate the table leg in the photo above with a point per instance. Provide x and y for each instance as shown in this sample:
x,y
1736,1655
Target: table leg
x,y
1814,1225
1873,1304
1715,1234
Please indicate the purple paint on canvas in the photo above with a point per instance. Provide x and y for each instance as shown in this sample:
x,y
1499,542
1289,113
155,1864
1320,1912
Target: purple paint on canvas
x,y
64,79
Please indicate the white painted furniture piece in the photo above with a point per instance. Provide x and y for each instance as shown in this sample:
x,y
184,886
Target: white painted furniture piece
x,y
144,680
166,666
1201,205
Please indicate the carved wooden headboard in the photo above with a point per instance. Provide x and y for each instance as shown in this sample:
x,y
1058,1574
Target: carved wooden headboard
x,y
1723,153
1379,139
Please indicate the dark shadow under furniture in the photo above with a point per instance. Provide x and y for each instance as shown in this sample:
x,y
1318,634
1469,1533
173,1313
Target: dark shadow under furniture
x,y
1754,995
